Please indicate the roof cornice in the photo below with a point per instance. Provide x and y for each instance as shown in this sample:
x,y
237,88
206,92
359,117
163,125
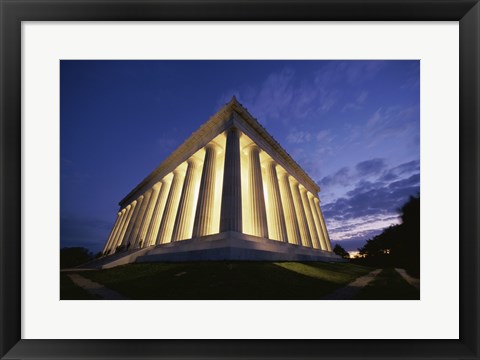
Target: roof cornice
x,y
231,112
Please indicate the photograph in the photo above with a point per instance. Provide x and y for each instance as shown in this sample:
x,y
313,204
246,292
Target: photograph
x,y
240,179
248,172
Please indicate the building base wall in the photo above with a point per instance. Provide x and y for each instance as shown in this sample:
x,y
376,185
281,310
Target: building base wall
x,y
234,246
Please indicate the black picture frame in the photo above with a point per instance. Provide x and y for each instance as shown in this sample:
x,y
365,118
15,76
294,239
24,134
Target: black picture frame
x,y
13,12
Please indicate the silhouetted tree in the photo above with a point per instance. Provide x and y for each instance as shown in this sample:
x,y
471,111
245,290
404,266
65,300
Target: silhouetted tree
x,y
398,245
73,256
340,251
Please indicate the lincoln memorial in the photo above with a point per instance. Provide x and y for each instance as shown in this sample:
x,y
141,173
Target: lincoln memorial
x,y
229,192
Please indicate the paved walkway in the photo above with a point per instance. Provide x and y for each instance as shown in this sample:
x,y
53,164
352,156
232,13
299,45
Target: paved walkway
x,y
351,290
411,280
95,288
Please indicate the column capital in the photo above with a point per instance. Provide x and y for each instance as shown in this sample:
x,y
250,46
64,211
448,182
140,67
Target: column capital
x,y
156,186
282,173
293,181
231,205
233,129
167,179
180,170
213,146
251,147
193,162
269,161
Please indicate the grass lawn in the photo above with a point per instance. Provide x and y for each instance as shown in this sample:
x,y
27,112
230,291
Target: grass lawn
x,y
70,291
389,285
228,280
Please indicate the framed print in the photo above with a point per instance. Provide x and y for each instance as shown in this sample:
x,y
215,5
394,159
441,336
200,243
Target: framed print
x,y
93,91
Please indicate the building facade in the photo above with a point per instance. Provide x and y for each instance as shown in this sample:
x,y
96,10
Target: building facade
x,y
230,191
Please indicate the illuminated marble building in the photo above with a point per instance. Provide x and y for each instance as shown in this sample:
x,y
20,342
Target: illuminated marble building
x,y
230,191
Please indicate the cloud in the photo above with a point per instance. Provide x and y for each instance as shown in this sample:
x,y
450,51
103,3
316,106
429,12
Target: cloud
x,y
411,181
369,167
298,137
345,177
377,200
362,214
362,97
282,96
402,169
357,104
375,195
359,230
391,123
374,119
341,177
324,136
361,71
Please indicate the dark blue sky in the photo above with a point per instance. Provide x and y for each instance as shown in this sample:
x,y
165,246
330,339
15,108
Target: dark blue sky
x,y
352,125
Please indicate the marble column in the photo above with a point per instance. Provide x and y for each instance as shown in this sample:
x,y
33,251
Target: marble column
x,y
301,216
258,213
147,216
231,208
324,227
316,219
186,208
277,229
140,217
129,220
121,233
205,206
112,233
152,232
170,212
133,220
309,216
291,221
117,232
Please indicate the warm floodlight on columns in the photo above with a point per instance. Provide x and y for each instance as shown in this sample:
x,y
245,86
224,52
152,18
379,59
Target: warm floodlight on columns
x,y
291,221
141,219
316,220
275,217
257,211
186,208
117,230
301,216
309,216
228,192
152,232
231,209
170,212
133,220
205,205
133,207
147,216
121,234
324,227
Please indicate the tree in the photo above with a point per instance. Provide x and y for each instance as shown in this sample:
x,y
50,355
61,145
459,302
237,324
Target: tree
x,y
73,256
340,251
398,245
